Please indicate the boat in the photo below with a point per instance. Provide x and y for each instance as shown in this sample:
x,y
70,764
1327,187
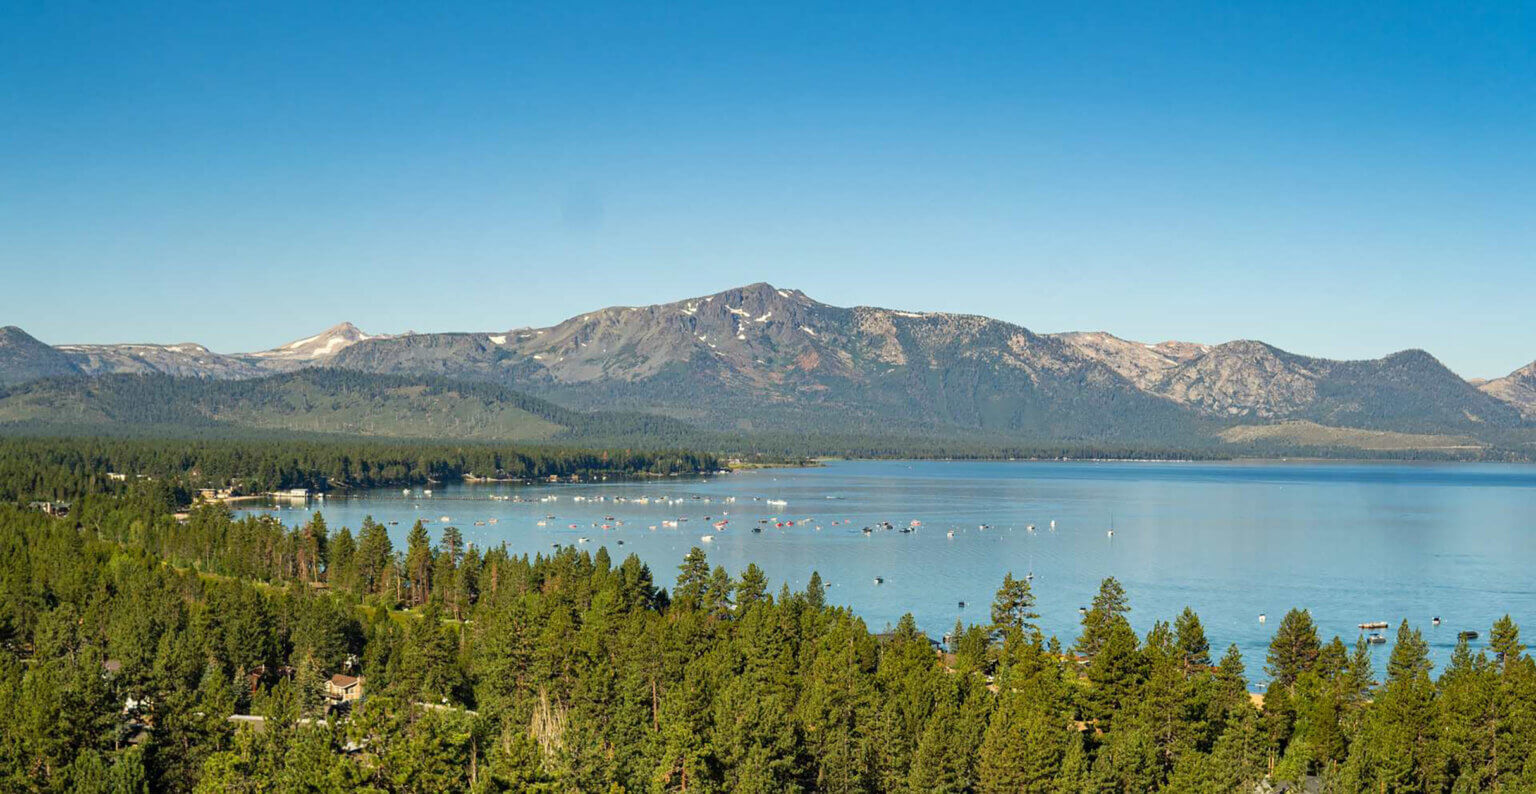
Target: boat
x,y
444,519
581,540
1466,635
1263,617
879,580
405,492
707,538
1053,525
1435,621
1376,639
1030,528
426,492
951,533
1374,624
961,604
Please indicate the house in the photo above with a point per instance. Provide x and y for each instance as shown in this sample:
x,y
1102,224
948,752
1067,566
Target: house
x,y
344,688
55,509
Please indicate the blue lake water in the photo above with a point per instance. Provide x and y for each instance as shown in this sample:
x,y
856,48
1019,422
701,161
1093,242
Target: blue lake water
x,y
1350,542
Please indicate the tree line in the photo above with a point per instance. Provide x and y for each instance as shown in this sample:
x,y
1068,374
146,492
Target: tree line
x,y
68,468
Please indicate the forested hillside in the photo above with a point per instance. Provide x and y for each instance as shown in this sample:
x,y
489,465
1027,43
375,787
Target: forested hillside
x,y
325,405
319,401
128,639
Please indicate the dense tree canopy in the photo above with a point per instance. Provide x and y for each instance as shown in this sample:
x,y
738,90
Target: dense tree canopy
x,y
128,639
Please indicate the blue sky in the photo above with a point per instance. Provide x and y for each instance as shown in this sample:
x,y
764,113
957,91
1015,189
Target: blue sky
x,y
1339,179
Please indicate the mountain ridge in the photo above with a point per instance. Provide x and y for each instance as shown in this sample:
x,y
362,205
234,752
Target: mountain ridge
x,y
759,358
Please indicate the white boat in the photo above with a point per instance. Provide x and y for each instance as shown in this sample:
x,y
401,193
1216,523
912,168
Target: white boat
x,y
444,519
426,492
707,538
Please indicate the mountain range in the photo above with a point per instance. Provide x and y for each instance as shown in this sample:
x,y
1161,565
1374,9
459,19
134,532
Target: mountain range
x,y
759,359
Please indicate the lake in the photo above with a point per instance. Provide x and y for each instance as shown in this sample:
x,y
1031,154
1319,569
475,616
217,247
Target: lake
x,y
1350,542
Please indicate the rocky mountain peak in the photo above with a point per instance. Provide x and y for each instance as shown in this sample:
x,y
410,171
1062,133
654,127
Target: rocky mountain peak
x,y
318,347
23,357
1518,388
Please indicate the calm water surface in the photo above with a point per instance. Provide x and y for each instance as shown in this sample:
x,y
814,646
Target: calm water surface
x,y
1350,542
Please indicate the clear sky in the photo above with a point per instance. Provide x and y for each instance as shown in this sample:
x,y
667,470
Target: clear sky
x,y
1340,179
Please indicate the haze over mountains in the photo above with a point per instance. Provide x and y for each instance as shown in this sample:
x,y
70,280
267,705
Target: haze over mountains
x,y
763,359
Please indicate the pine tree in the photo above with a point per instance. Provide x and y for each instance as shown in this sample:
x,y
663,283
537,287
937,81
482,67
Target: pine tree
x,y
1194,648
717,597
1399,752
1013,608
936,767
1293,651
1115,672
1241,755
1505,642
692,580
418,563
452,543
753,587
1108,610
815,591
1020,752
1074,774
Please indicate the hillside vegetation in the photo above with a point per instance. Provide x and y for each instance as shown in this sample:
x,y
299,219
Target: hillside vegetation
x,y
131,639
317,401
